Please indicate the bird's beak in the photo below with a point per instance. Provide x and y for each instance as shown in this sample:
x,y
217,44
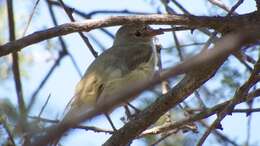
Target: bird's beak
x,y
153,32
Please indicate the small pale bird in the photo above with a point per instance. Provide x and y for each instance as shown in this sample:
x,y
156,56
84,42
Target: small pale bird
x,y
130,59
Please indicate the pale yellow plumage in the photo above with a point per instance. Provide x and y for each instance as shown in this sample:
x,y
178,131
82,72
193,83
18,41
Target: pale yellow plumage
x,y
129,60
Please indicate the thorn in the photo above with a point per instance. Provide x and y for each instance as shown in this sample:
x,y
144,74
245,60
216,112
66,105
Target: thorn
x,y
219,126
110,121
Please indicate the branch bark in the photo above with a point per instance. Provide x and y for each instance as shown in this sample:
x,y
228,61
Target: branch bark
x,y
218,23
198,70
150,115
189,84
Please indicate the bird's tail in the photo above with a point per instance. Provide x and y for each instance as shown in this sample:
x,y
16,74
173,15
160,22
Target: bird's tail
x,y
68,111
68,106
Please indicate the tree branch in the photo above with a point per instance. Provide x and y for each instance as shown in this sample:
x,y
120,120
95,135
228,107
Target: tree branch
x,y
199,69
91,14
62,54
84,38
258,5
192,81
241,92
15,56
218,23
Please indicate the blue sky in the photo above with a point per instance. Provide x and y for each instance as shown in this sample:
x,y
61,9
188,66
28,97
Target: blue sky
x,y
61,84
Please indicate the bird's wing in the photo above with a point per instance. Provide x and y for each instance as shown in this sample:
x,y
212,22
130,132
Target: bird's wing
x,y
91,85
111,71
136,56
138,62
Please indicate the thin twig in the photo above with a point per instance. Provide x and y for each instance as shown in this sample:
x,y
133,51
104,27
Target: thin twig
x,y
87,128
186,45
7,129
84,38
248,134
173,131
16,71
110,122
162,138
231,11
240,56
215,56
181,7
240,93
223,137
186,12
246,111
44,80
165,87
97,42
87,25
62,42
250,110
107,33
178,45
30,17
257,5
91,14
213,35
167,127
205,113
165,84
221,5
44,106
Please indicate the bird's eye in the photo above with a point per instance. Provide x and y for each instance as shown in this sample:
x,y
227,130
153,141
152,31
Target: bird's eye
x,y
138,33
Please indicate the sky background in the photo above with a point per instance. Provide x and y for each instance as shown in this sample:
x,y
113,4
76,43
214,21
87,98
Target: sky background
x,y
62,82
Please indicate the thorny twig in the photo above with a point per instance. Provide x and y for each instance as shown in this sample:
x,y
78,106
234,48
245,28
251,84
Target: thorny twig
x,y
240,93
69,12
7,129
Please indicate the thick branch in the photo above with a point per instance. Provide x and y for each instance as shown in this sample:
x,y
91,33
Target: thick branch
x,y
198,68
15,66
227,23
257,4
192,81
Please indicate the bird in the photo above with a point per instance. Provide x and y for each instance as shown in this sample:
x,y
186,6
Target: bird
x,y
131,59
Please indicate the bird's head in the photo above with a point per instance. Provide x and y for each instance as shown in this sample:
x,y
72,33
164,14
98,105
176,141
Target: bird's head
x,y
135,34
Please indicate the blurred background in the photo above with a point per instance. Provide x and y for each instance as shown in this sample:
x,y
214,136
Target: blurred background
x,y
51,69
